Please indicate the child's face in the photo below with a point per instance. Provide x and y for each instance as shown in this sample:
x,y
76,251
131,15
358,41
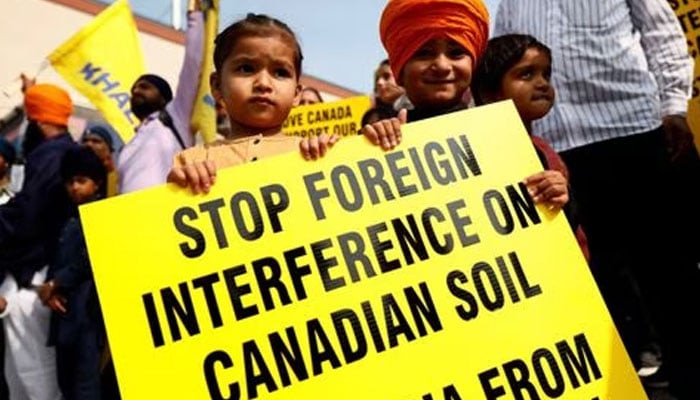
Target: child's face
x,y
258,82
81,189
527,84
438,74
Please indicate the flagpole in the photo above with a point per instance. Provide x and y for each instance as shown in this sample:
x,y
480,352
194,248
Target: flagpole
x,y
14,86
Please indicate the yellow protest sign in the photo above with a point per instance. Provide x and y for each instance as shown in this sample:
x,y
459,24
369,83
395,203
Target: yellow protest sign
x,y
688,12
102,60
421,273
203,118
342,117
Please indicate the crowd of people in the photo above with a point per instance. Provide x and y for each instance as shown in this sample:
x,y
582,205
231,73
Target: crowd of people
x,y
617,154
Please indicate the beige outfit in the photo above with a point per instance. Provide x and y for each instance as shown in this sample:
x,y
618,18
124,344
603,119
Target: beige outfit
x,y
227,153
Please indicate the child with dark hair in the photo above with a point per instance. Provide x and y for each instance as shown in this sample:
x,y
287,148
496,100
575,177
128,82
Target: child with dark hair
x,y
258,65
76,328
519,68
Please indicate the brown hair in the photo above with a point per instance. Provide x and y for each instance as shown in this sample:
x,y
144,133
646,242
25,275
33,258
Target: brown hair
x,y
255,25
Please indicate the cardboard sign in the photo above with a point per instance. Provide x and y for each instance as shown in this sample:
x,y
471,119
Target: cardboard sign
x,y
421,273
343,118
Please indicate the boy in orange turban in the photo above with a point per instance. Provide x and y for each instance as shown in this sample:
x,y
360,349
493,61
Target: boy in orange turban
x,y
433,46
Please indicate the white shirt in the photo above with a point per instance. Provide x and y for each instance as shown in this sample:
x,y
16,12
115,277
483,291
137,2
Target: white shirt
x,y
146,160
618,65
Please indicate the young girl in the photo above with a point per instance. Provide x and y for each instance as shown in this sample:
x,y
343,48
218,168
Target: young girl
x,y
258,65
518,67
433,46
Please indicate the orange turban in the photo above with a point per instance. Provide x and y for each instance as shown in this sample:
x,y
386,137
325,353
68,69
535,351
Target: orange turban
x,y
406,25
48,103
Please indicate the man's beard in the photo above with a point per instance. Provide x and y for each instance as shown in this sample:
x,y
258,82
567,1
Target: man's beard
x,y
33,136
143,108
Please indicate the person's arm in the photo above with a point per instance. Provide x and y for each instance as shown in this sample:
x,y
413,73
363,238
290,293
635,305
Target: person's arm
x,y
77,269
68,270
149,165
666,51
23,215
180,108
502,20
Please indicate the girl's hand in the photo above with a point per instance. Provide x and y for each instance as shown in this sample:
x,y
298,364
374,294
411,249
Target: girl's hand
x,y
315,147
199,176
386,133
549,187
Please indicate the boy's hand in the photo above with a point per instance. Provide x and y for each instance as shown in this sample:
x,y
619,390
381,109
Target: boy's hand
x,y
3,304
549,187
46,291
199,176
315,147
386,133
57,303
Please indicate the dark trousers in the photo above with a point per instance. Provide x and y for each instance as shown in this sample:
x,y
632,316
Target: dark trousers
x,y
110,389
642,232
78,367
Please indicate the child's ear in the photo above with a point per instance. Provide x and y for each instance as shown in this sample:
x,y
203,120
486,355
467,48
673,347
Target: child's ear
x,y
215,86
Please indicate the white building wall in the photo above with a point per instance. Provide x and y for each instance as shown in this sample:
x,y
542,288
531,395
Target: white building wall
x,y
31,29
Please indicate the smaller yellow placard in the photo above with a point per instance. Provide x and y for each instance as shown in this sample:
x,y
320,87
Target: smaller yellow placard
x,y
343,118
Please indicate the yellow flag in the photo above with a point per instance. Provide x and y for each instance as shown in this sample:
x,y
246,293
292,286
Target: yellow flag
x,y
101,61
204,113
